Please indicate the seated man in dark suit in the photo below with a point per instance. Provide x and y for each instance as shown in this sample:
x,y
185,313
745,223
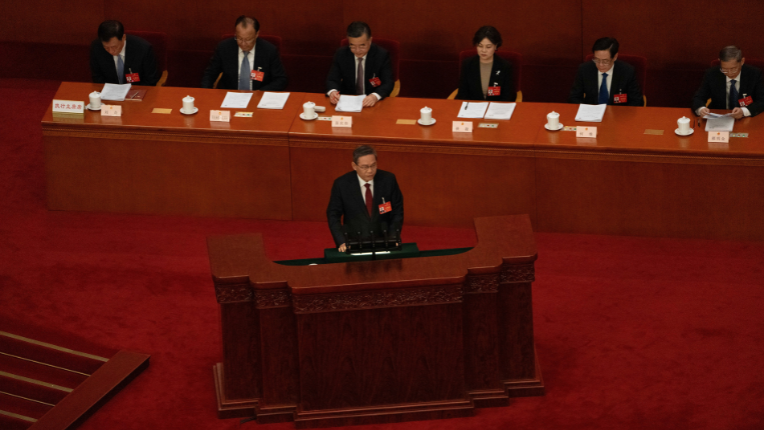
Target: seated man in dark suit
x,y
247,62
605,80
360,68
359,200
734,85
117,58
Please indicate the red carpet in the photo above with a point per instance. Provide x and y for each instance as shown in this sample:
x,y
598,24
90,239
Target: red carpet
x,y
632,333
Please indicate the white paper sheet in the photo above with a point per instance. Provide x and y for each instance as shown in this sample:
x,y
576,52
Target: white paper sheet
x,y
500,110
590,113
472,109
236,100
350,104
273,100
723,123
115,92
715,115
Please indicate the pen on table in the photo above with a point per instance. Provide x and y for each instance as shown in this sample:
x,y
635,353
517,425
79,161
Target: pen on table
x,y
466,105
134,94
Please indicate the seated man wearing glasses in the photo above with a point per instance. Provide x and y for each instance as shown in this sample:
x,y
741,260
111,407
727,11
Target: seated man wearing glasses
x,y
247,62
733,86
605,80
364,200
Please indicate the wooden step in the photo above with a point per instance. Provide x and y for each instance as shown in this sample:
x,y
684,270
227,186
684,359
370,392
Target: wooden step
x,y
39,371
32,389
14,345
11,421
24,407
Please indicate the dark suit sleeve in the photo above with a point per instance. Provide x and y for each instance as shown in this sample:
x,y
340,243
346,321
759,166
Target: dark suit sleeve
x,y
633,91
278,75
757,106
577,91
396,223
703,93
334,214
508,93
214,69
95,68
334,79
385,73
149,67
464,82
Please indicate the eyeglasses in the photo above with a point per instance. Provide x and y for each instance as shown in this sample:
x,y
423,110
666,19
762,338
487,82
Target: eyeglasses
x,y
602,62
239,39
732,71
368,167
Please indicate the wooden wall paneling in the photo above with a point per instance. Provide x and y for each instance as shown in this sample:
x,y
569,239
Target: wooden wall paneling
x,y
51,21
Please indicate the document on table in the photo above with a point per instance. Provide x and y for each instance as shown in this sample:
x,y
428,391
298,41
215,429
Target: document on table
x,y
722,123
590,113
500,110
236,100
350,104
715,115
273,100
472,109
115,92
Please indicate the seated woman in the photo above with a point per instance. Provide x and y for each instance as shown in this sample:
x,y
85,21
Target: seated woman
x,y
486,76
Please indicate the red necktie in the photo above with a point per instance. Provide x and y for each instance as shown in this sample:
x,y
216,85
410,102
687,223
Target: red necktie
x,y
369,199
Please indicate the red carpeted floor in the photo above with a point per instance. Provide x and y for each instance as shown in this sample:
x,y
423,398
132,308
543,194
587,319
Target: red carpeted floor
x,y
632,333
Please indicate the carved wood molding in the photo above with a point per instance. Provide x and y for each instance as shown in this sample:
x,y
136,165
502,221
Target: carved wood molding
x,y
512,273
425,147
233,293
265,299
166,136
313,303
482,283
636,157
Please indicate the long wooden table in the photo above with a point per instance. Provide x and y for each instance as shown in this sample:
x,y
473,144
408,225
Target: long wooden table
x,y
277,166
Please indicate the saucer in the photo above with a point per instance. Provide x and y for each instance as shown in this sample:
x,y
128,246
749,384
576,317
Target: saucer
x,y
546,126
692,130
94,109
419,121
302,116
196,109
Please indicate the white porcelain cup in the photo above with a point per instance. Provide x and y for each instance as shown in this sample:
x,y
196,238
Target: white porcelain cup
x,y
553,120
684,125
188,104
309,110
426,115
95,100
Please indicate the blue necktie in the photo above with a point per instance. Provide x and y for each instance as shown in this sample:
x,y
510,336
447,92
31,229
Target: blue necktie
x,y
604,96
733,95
244,73
120,69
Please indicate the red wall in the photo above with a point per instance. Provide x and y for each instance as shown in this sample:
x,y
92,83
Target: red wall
x,y
678,38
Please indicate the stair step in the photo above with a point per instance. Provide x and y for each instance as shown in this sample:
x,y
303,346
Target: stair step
x,y
22,406
32,389
10,422
30,369
49,353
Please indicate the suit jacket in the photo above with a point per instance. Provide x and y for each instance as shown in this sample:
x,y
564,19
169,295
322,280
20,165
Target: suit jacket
x,y
470,83
226,59
342,74
714,86
624,81
139,57
347,203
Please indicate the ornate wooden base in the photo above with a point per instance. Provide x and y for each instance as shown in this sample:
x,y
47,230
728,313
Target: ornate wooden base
x,y
528,387
230,408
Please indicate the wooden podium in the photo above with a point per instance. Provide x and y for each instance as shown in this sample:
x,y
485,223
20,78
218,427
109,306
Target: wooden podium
x,y
377,341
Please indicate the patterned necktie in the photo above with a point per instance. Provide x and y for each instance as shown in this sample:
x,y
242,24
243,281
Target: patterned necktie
x,y
733,95
604,96
359,78
369,199
120,69
244,78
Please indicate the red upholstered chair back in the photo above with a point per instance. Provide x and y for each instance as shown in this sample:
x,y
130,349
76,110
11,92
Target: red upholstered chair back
x,y
393,47
159,42
759,64
515,61
639,64
275,40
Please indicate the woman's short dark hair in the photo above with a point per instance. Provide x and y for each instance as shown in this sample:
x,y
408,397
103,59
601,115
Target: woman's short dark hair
x,y
487,32
109,29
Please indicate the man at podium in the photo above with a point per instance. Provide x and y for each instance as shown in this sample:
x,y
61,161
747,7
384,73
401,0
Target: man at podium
x,y
364,201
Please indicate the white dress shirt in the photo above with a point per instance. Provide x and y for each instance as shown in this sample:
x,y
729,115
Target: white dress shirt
x,y
251,58
363,183
363,78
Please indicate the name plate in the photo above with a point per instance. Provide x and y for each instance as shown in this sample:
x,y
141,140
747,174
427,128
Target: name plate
x,y
585,131
569,128
738,134
342,121
220,115
462,127
111,110
68,106
719,136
